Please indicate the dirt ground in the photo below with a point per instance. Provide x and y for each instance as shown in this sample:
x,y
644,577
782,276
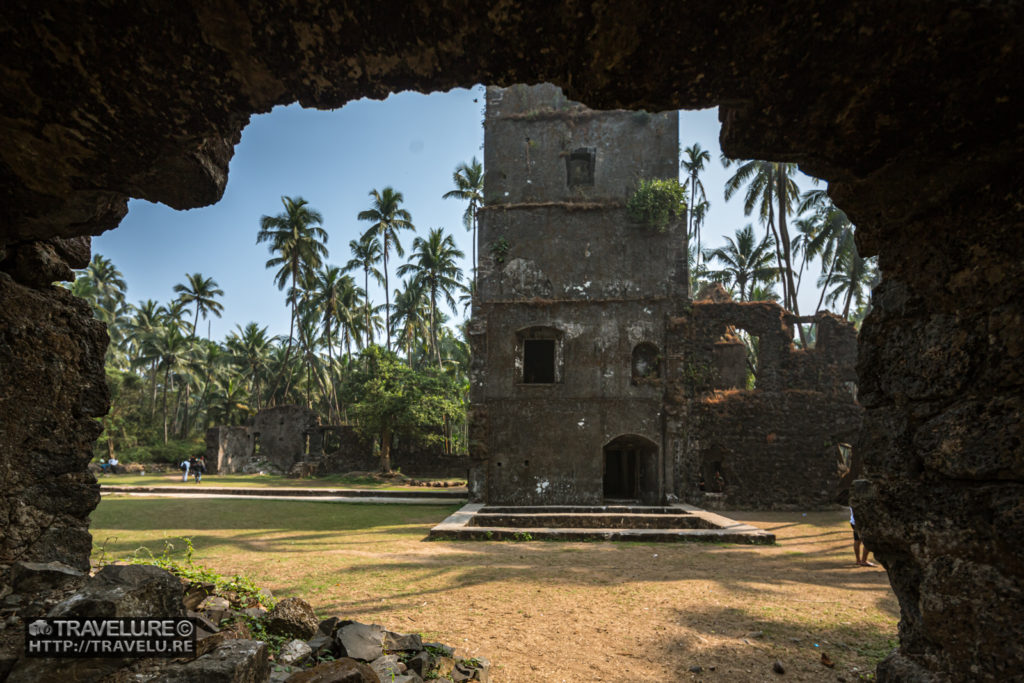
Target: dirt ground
x,y
575,612
622,612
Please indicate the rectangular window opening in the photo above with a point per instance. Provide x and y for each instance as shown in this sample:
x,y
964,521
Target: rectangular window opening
x,y
539,361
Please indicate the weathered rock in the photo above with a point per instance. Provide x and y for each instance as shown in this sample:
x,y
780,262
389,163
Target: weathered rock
x,y
202,621
328,626
402,641
405,678
234,661
32,577
34,670
126,591
196,594
440,648
387,666
320,643
294,652
419,663
443,665
234,631
472,670
51,361
339,671
360,641
292,618
215,607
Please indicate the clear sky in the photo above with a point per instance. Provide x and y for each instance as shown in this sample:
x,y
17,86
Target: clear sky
x,y
410,141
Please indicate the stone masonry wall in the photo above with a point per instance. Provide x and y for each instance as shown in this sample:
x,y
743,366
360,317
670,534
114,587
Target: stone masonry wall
x,y
775,445
52,386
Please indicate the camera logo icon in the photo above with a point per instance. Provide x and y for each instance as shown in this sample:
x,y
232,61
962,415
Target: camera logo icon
x,y
39,628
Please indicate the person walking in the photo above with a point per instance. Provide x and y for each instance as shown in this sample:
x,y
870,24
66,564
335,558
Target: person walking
x,y
185,464
198,467
858,546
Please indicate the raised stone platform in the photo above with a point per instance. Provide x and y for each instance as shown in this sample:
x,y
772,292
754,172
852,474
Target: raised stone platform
x,y
671,523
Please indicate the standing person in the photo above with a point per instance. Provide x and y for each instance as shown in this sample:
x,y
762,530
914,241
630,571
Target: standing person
x,y
185,464
198,467
112,464
862,559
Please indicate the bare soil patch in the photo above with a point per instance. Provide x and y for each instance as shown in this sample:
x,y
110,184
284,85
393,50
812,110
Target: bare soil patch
x,y
545,611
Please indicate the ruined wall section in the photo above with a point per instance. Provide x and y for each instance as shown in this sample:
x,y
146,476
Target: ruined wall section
x,y
560,259
52,387
282,434
775,445
941,364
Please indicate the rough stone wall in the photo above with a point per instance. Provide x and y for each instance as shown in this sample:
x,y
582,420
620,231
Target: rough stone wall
x,y
228,449
775,445
910,110
282,434
355,454
52,386
560,257
941,372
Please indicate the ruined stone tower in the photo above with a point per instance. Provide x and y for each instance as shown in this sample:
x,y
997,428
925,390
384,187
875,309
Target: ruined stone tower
x,y
569,321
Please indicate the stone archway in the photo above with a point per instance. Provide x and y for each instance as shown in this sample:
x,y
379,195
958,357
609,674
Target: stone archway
x,y
914,122
631,469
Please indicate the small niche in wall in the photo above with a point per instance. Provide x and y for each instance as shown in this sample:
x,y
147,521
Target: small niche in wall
x,y
579,167
646,363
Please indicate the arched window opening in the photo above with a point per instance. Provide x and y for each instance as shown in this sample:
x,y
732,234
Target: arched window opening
x,y
646,363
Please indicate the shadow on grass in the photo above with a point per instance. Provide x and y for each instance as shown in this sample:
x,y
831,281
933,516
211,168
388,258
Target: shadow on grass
x,y
852,642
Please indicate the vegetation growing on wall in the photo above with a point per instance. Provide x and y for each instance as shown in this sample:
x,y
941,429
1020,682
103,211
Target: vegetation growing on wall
x,y
657,202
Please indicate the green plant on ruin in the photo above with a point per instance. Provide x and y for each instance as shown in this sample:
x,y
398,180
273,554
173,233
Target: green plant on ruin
x,y
657,202
499,250
243,586
698,374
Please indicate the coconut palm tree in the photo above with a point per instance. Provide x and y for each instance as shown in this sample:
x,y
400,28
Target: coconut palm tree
x,y
249,349
694,159
365,255
202,292
170,347
412,313
744,260
469,186
771,190
299,243
850,278
434,267
388,218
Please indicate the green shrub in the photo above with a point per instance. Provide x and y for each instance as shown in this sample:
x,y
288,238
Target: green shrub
x,y
657,202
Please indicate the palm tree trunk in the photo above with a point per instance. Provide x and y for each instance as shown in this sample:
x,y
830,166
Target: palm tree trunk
x,y
433,325
849,298
366,304
166,373
152,382
784,233
387,293
474,252
828,281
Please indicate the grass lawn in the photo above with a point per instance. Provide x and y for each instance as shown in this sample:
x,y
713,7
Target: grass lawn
x,y
334,481
544,611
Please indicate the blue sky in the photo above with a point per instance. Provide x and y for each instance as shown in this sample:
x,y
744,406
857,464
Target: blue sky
x,y
333,159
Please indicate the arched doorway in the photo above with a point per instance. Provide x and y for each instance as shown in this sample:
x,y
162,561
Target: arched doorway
x,y
630,464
